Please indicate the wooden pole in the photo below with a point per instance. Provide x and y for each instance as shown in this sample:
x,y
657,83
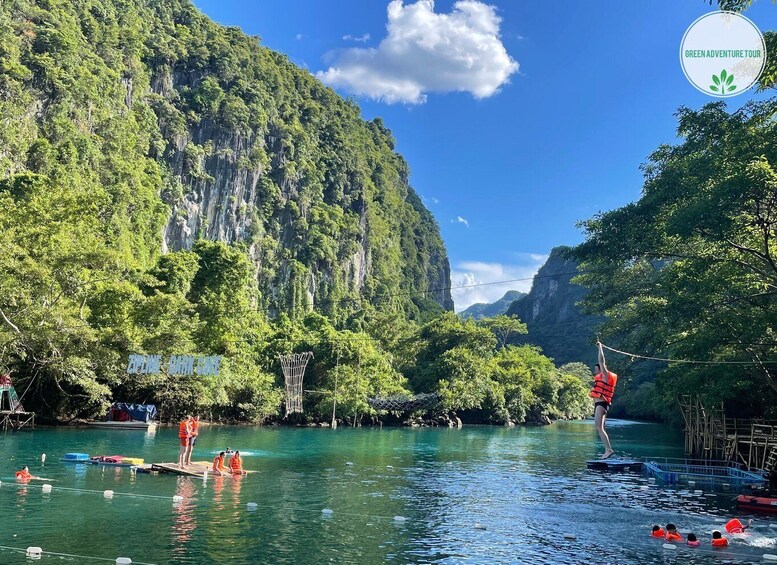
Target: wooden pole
x,y
334,396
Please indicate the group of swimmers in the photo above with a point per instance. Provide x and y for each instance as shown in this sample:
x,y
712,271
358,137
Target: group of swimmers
x,y
670,534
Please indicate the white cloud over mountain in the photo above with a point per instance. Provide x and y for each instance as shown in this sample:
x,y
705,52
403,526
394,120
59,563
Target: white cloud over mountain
x,y
467,273
425,52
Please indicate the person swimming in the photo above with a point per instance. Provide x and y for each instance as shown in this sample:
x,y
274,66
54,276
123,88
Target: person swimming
x,y
658,532
672,534
718,540
23,474
692,541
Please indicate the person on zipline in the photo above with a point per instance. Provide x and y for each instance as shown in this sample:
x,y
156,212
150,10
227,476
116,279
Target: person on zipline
x,y
604,387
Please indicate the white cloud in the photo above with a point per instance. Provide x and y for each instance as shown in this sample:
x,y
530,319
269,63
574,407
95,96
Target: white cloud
x,y
429,200
299,36
460,220
424,52
468,273
364,38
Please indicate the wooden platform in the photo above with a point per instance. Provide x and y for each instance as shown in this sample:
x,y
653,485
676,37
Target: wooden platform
x,y
16,420
196,469
614,464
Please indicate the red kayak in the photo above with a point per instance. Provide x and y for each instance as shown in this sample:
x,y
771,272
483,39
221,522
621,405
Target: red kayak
x,y
757,503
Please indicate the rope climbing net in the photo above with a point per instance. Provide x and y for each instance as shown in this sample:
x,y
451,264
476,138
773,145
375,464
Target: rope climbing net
x,y
293,372
405,403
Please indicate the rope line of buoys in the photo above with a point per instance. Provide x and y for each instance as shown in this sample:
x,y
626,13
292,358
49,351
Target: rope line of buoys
x,y
47,488
37,553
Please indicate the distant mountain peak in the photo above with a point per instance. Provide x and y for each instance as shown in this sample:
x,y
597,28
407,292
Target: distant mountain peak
x,y
487,310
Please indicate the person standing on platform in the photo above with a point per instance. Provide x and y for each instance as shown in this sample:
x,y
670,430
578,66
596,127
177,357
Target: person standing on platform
x,y
604,388
184,432
194,431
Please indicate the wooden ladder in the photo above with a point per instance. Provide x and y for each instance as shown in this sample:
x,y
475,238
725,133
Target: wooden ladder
x,y
771,461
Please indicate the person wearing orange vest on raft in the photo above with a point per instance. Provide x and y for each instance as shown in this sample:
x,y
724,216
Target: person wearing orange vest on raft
x,y
23,474
734,526
718,540
604,388
184,432
692,541
236,465
218,464
194,429
672,534
658,532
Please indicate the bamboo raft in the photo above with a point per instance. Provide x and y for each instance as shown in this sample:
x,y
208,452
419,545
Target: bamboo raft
x,y
196,469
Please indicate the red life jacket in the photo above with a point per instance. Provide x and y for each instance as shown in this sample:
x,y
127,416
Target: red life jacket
x,y
218,463
184,429
695,543
603,389
660,533
720,542
673,536
195,427
23,475
734,526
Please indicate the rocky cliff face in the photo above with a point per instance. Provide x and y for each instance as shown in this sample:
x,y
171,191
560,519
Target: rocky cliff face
x,y
264,155
485,310
550,311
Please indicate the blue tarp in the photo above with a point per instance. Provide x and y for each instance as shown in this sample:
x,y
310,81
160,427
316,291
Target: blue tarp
x,y
123,412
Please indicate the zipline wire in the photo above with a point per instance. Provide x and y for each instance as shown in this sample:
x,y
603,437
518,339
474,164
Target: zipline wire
x,y
688,361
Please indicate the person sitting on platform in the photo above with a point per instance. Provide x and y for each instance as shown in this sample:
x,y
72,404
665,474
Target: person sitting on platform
x,y
658,532
672,534
735,526
23,474
218,464
236,464
692,541
718,540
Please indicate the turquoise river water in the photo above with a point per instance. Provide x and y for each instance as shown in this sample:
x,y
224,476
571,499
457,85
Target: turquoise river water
x,y
523,487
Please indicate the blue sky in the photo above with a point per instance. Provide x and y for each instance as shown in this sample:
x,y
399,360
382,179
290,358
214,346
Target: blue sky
x,y
595,92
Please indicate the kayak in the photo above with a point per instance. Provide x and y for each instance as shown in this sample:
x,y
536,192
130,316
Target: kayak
x,y
757,503
115,460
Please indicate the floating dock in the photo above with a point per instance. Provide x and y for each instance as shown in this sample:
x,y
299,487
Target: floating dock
x,y
613,464
196,469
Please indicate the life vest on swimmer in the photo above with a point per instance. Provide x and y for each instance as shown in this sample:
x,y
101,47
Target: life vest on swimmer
x,y
720,542
218,463
183,429
235,464
673,536
660,533
23,475
734,526
603,389
694,543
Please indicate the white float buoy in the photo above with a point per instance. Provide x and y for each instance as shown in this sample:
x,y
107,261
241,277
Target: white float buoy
x,y
479,526
177,498
326,512
43,458
251,506
34,552
669,546
108,494
570,536
123,561
349,462
205,476
46,488
389,466
399,518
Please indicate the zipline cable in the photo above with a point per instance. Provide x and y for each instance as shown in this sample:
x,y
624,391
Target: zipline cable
x,y
687,361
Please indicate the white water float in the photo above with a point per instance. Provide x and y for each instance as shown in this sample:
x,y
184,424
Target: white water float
x,y
43,458
251,506
177,498
327,512
349,463
669,546
389,466
123,561
479,526
399,518
108,493
570,536
34,552
45,488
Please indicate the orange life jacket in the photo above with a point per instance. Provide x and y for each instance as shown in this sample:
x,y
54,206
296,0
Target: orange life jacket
x,y
195,427
23,475
660,533
235,464
184,429
602,389
720,542
673,536
218,463
734,526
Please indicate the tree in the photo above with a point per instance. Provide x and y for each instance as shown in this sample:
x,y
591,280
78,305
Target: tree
x,y
503,327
